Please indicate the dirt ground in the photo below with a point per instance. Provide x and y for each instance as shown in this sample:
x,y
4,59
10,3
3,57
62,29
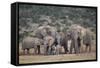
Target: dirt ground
x,y
24,59
55,58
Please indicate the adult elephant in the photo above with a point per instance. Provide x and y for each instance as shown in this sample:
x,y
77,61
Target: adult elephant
x,y
31,42
48,34
63,41
57,43
74,41
87,39
42,31
59,38
48,44
52,44
68,41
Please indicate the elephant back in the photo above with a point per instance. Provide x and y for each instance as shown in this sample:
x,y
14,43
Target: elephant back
x,y
30,42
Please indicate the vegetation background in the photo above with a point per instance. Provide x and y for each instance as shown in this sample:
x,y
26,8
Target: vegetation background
x,y
33,16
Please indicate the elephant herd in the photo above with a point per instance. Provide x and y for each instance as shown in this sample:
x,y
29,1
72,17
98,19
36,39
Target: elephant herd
x,y
53,41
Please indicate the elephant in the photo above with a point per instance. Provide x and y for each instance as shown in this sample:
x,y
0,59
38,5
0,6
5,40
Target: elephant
x,y
31,42
69,44
79,39
48,44
57,43
53,50
60,41
52,45
74,41
43,31
87,39
46,33
63,41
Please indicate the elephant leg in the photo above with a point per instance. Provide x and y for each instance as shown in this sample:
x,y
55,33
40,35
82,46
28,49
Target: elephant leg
x,y
86,47
52,51
49,50
38,48
89,48
35,51
71,48
76,47
45,50
27,50
58,50
79,49
66,50
79,45
76,50
23,51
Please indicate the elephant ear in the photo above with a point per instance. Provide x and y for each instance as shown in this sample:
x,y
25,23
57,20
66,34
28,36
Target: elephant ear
x,y
38,33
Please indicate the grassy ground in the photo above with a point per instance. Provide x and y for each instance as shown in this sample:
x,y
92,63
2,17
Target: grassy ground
x,y
23,59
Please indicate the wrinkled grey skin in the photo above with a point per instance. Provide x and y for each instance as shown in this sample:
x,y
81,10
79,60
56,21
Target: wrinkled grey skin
x,y
87,39
58,42
48,44
65,42
55,49
43,33
61,40
74,43
30,42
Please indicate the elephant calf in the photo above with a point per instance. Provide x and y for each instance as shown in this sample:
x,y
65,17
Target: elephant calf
x,y
31,42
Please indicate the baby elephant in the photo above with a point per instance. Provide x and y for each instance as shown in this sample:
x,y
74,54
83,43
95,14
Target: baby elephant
x,y
31,42
56,50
